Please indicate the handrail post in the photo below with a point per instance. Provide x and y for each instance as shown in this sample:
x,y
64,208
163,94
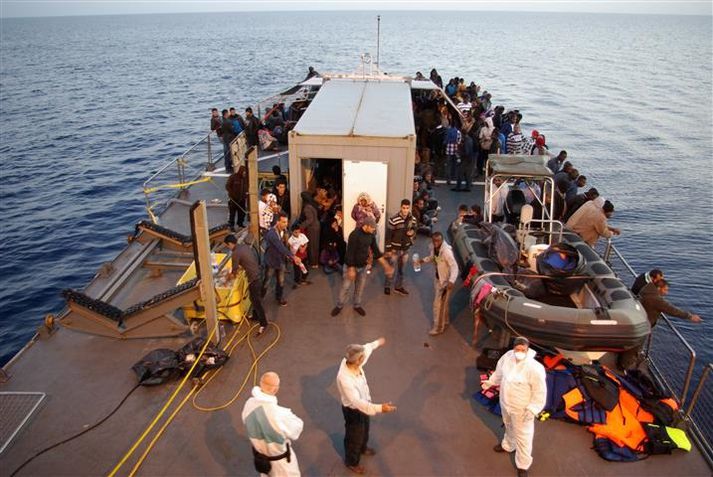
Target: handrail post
x,y
699,388
607,250
209,162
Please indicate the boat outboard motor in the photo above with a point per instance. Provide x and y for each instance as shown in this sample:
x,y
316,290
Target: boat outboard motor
x,y
513,204
562,261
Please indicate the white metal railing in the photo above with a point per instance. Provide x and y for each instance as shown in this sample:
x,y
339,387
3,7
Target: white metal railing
x,y
700,423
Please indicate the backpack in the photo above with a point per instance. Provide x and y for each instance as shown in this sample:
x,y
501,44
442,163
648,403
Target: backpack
x,y
599,387
658,440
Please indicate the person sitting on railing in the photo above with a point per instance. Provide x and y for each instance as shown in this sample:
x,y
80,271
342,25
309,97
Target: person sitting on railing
x,y
654,275
590,222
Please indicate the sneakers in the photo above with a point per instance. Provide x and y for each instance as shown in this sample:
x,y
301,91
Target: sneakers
x,y
260,331
336,310
401,291
282,302
368,452
387,291
360,310
521,473
435,332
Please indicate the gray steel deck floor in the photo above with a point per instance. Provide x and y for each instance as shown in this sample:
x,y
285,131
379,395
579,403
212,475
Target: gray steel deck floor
x,y
437,430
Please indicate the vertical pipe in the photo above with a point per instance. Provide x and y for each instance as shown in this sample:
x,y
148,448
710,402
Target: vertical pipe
x,y
378,40
253,192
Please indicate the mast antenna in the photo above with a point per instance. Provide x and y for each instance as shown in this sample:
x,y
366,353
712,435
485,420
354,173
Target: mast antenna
x,y
378,40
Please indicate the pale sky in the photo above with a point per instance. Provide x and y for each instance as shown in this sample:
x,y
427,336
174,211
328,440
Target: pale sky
x,y
41,8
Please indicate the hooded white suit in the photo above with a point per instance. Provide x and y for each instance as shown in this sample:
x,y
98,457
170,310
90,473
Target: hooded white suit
x,y
270,427
523,393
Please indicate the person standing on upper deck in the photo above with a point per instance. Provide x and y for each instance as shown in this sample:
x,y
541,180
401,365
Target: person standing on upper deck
x,y
590,222
215,123
228,137
523,392
252,125
400,232
356,403
271,429
361,242
445,279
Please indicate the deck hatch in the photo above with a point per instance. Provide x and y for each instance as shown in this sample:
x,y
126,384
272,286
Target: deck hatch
x,y
16,408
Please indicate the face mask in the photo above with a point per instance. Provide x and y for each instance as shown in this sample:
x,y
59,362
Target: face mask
x,y
520,355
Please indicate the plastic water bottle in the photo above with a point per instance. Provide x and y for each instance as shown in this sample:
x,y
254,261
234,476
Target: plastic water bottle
x,y
416,263
303,268
214,263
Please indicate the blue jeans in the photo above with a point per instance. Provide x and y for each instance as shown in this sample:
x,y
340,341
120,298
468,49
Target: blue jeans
x,y
398,260
279,274
347,284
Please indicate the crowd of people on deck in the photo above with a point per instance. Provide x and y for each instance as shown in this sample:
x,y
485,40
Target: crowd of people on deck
x,y
453,143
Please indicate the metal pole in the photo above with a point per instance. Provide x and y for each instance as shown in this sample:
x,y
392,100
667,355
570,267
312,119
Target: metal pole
x,y
253,192
204,269
378,40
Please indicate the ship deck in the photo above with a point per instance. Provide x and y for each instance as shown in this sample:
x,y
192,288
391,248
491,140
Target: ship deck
x,y
438,429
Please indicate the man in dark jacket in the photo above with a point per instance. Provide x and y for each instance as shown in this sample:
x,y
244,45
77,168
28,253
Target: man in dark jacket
x,y
252,125
579,201
654,275
282,194
400,232
360,241
652,298
237,187
276,253
228,136
244,256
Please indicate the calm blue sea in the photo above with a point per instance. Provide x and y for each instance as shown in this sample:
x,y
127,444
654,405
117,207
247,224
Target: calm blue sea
x,y
90,106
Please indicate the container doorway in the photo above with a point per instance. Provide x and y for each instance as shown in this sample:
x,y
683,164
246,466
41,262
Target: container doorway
x,y
369,177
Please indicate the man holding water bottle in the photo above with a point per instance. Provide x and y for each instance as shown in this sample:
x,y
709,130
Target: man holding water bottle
x,y
446,276
400,231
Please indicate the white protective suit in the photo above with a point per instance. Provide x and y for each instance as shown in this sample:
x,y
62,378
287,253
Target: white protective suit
x,y
270,427
523,393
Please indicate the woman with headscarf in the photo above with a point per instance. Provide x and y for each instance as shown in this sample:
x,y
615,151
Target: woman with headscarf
x,y
365,207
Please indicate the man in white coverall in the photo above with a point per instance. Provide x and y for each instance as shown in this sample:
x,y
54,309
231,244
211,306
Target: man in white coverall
x,y
271,428
523,392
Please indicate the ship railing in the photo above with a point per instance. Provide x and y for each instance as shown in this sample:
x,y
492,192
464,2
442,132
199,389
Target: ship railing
x,y
666,351
180,172
699,414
